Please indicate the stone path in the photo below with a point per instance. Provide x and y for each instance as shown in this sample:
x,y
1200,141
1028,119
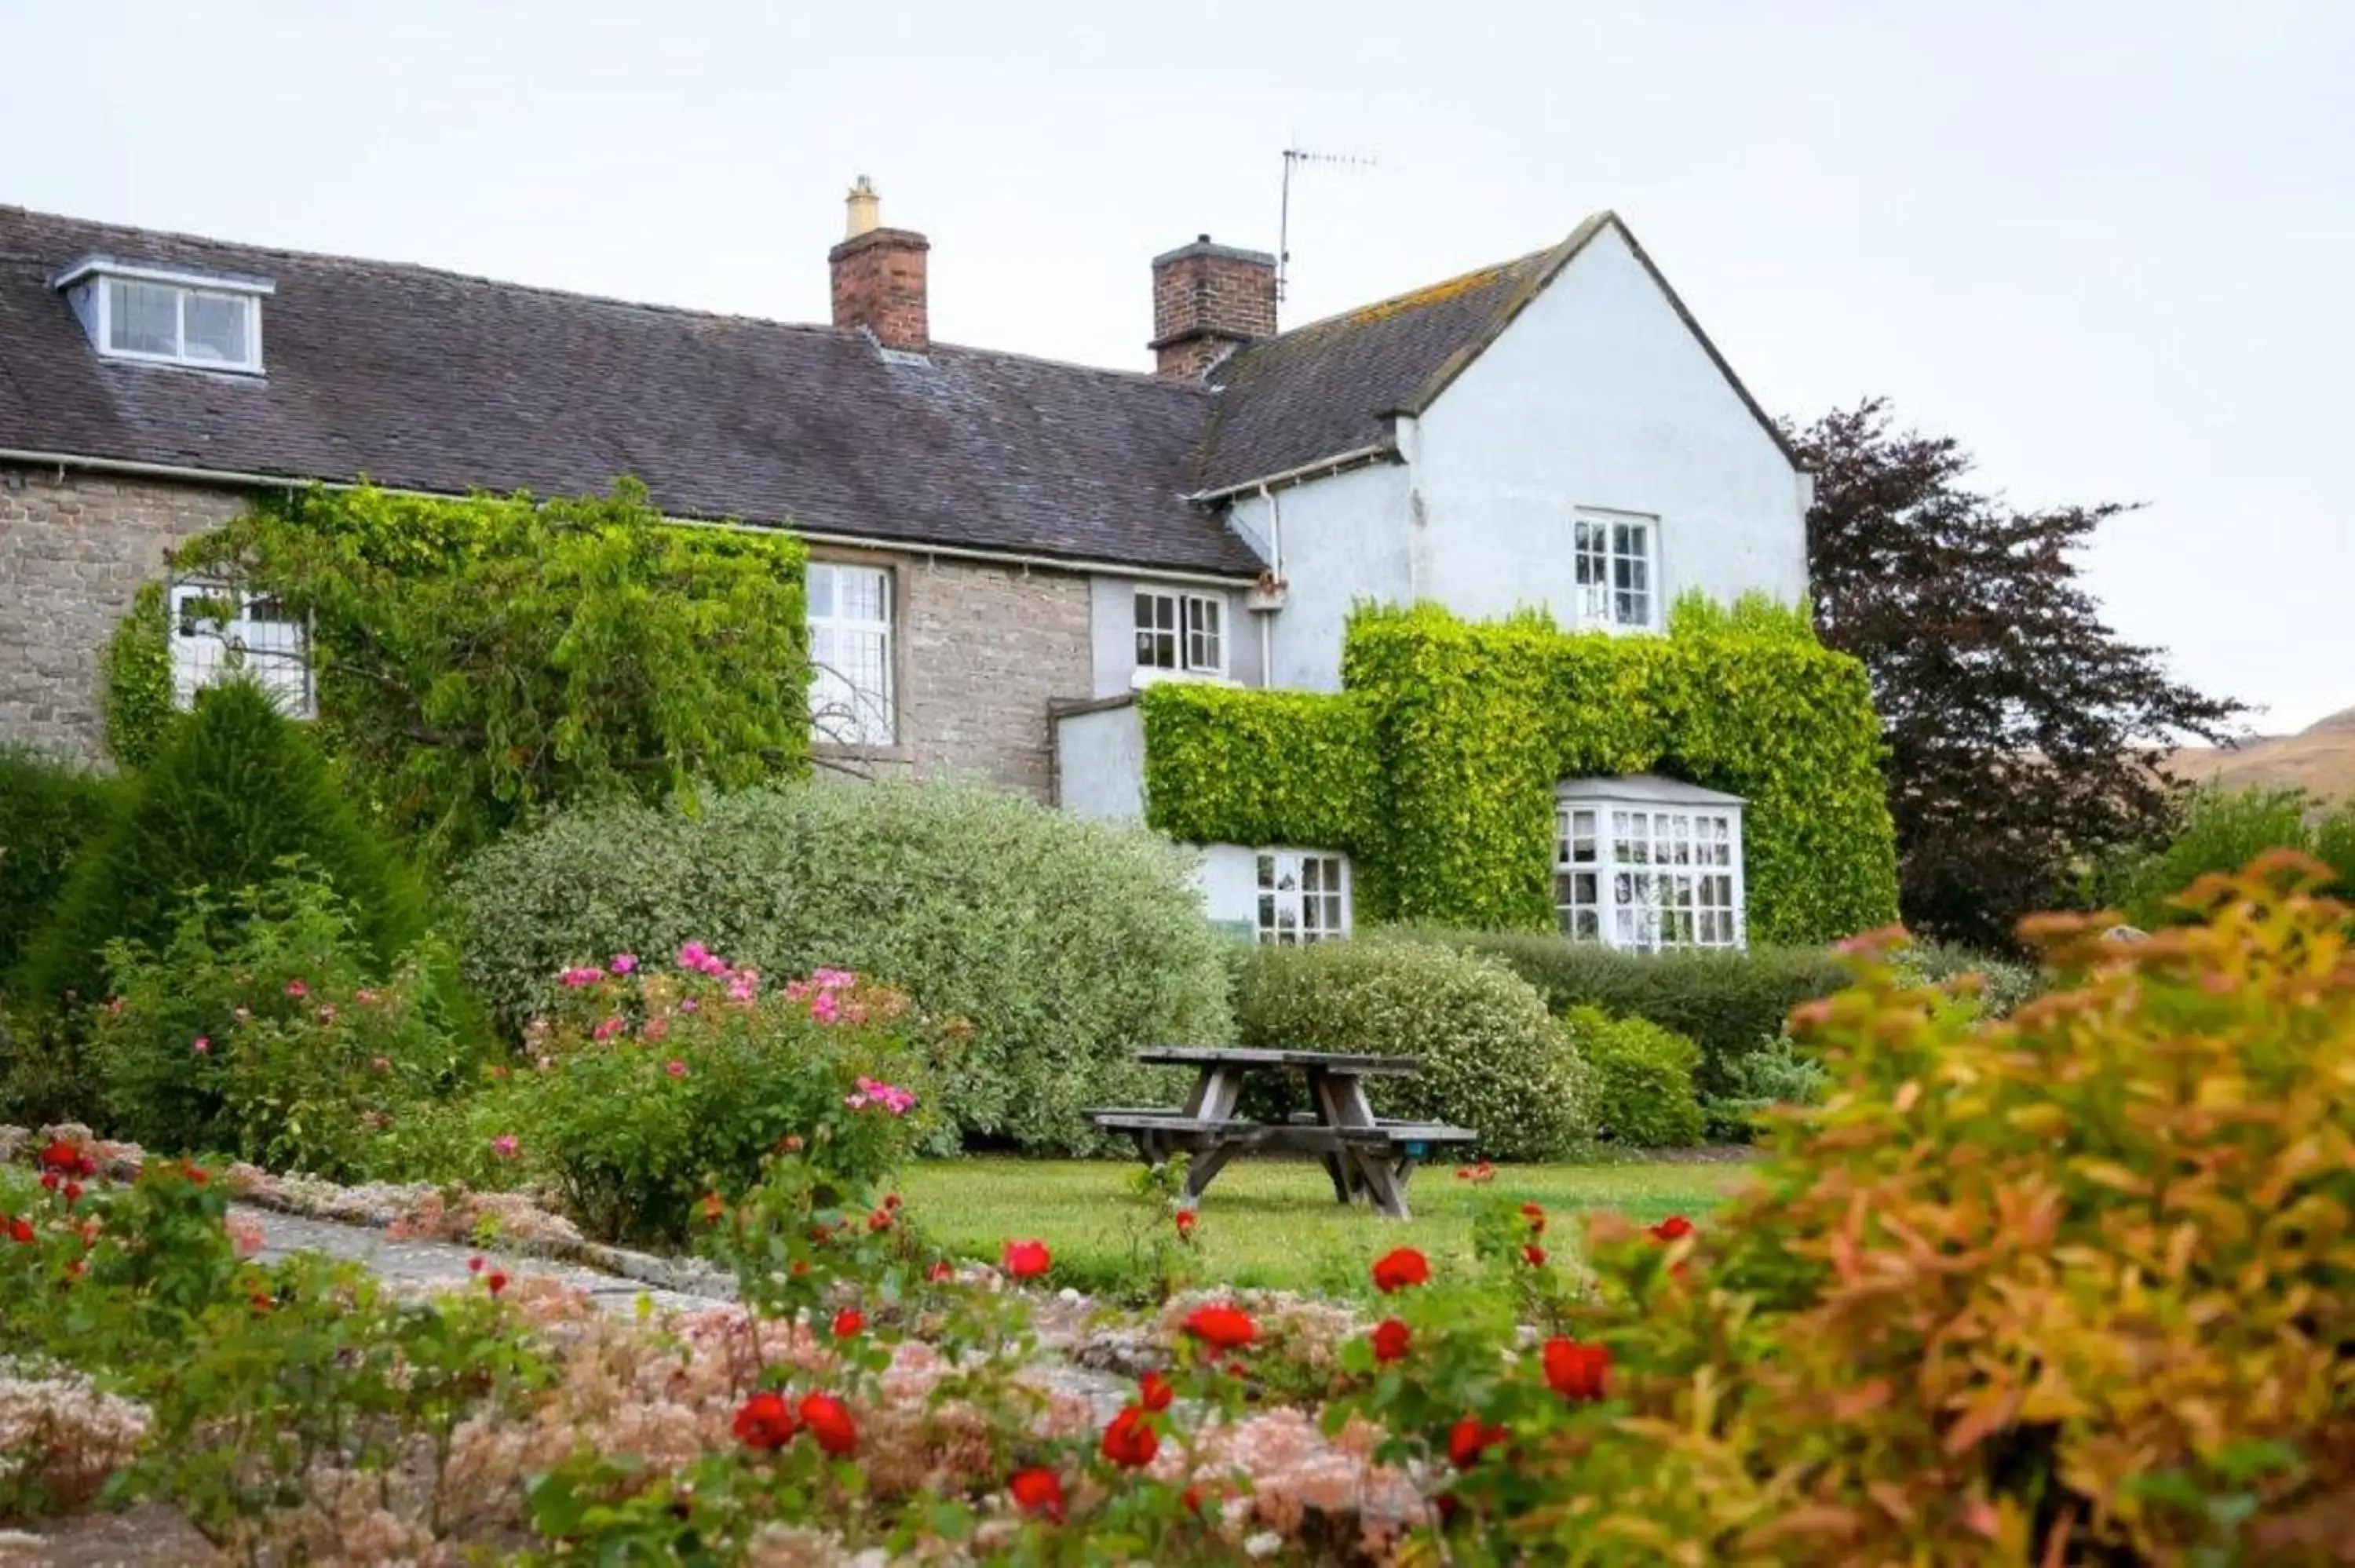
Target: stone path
x,y
432,1264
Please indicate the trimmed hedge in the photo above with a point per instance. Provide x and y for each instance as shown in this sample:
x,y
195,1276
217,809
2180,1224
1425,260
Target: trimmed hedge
x,y
1726,1003
1068,944
1493,1059
1642,1078
1469,727
48,808
235,790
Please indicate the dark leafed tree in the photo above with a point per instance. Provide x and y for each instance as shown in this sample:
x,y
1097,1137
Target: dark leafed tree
x,y
2023,733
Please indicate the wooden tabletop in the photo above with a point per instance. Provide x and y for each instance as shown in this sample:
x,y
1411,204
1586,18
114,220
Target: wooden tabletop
x,y
1238,1056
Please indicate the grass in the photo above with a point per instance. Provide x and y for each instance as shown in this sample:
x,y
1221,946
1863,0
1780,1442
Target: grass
x,y
1271,1223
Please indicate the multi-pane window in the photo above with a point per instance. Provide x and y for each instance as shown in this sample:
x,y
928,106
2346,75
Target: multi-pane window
x,y
1180,631
1615,572
850,653
219,631
1644,874
183,325
1304,896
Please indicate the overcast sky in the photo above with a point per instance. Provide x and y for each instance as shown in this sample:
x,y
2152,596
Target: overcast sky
x,y
2110,245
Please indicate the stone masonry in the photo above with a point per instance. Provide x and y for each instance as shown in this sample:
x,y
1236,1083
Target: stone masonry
x,y
986,649
73,551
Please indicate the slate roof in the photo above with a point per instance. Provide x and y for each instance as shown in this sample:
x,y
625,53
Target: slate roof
x,y
433,381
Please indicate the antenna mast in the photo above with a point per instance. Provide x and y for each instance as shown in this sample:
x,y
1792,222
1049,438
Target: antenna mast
x,y
1293,157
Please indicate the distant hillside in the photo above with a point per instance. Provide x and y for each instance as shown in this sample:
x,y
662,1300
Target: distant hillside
x,y
2319,759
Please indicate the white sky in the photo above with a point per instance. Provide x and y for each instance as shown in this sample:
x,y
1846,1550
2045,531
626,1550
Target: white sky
x,y
2109,245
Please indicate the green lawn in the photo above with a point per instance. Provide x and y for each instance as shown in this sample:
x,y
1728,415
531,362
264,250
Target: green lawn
x,y
1273,1223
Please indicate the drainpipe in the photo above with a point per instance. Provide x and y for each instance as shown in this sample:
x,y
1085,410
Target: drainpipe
x,y
1275,552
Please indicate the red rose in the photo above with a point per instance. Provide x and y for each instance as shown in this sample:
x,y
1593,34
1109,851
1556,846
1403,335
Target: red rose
x,y
940,1272
61,1156
1394,1271
881,1220
1470,1438
1534,1255
497,1281
764,1421
1222,1328
1574,1371
1191,1500
848,1322
1536,1217
1675,1227
1026,1259
892,1201
829,1423
1391,1339
1186,1224
475,1265
1153,1391
20,1231
1037,1490
1130,1441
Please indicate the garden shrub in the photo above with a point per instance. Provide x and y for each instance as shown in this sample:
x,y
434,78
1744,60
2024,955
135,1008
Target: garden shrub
x,y
1642,1076
2221,831
263,1027
1726,1003
2002,986
1778,1074
2069,1287
48,807
1067,943
653,1086
237,789
1493,1060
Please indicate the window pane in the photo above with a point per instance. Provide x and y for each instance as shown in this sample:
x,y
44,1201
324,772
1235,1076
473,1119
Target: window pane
x,y
217,328
864,593
1266,916
1586,924
1267,871
819,587
143,318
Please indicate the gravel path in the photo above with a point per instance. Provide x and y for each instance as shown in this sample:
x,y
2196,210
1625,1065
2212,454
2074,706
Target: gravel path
x,y
431,1263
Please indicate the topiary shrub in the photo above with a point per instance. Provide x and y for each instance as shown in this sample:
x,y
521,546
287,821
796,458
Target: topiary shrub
x,y
2073,1287
48,808
1493,1059
1725,1002
1643,1079
237,789
1066,944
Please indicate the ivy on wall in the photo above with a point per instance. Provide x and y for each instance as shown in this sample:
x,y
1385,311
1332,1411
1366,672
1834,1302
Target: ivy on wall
x,y
478,660
1435,768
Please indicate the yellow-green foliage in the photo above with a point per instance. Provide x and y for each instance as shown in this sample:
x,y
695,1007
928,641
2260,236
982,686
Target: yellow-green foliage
x,y
1435,768
2073,1286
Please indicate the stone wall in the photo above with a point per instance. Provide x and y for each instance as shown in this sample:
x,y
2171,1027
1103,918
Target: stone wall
x,y
73,551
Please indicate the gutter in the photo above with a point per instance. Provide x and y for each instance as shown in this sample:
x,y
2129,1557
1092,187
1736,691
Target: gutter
x,y
1379,452
64,460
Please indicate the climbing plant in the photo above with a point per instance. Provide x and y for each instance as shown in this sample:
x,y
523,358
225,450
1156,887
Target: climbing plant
x,y
478,660
1435,768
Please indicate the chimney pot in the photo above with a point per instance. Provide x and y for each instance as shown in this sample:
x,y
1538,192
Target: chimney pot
x,y
879,276
1209,300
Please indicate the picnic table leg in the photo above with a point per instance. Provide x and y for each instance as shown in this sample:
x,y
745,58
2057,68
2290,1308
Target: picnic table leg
x,y
1339,1172
1204,1168
1341,1101
1214,1095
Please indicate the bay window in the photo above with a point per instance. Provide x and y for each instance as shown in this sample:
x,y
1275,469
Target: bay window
x,y
1646,863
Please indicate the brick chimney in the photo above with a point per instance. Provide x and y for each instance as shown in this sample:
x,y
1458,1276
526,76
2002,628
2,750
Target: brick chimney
x,y
879,276
1208,301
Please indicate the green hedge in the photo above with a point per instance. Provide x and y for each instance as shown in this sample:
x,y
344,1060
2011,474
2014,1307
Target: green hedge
x,y
1726,1003
1643,1078
1068,944
1493,1059
1435,768
48,808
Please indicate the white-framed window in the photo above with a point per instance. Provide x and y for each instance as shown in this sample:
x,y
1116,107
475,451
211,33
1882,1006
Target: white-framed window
x,y
1181,631
1304,896
850,653
168,317
218,630
1645,864
1616,560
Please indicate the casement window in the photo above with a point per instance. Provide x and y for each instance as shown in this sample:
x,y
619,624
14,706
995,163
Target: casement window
x,y
1304,896
168,317
1617,558
1181,631
219,631
1644,864
851,696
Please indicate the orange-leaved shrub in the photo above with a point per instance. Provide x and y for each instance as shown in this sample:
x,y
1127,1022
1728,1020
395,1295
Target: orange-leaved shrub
x,y
2073,1286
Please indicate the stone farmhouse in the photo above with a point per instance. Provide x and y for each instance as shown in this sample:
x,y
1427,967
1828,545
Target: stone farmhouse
x,y
1004,549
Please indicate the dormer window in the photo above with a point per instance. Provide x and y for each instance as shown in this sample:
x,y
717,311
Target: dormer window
x,y
165,316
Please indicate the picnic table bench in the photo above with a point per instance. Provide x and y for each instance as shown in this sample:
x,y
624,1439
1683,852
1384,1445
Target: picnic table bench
x,y
1360,1152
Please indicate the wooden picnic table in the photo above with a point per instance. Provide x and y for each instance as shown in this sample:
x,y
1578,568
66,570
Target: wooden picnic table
x,y
1360,1151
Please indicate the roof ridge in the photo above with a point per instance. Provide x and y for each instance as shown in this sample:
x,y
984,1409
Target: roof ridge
x,y
1416,298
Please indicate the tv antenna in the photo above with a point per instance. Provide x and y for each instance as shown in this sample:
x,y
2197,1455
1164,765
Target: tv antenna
x,y
1294,157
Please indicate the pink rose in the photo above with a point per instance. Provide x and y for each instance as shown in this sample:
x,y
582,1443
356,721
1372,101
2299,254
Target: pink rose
x,y
675,1067
506,1146
622,963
